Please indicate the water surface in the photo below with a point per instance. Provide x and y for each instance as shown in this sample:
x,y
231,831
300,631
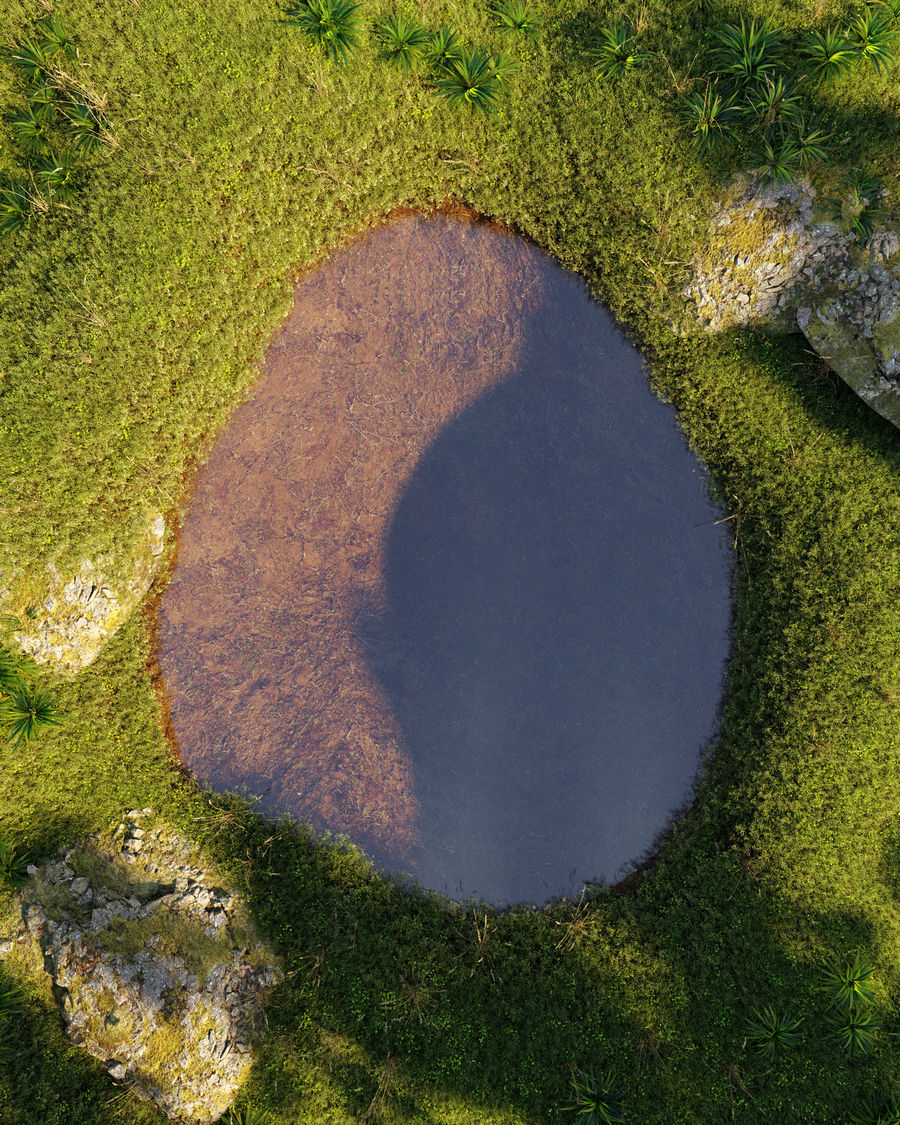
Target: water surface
x,y
450,583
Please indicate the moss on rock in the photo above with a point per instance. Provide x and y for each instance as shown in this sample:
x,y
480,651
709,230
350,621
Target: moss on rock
x,y
156,964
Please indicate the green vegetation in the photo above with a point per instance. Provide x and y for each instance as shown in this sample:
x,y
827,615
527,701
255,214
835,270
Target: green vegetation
x,y
403,41
11,1007
134,314
598,1101
244,1117
13,864
473,80
858,205
59,125
24,710
516,18
614,51
331,24
879,1110
443,48
772,1031
849,983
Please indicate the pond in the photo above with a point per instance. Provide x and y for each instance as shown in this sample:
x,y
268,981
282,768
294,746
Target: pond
x,y
450,583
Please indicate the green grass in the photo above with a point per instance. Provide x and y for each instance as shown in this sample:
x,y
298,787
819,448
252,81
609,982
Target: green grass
x,y
132,323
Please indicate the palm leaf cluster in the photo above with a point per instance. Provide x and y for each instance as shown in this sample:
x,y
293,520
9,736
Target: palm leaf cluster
x,y
771,1031
474,78
869,40
879,1109
614,50
859,204
752,93
58,126
849,985
23,710
13,864
244,1116
598,1099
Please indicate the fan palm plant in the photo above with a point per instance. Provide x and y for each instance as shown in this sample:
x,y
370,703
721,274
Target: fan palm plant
x,y
471,80
9,670
891,8
10,1005
31,132
16,210
57,174
779,163
811,140
770,1031
245,1116
879,1110
443,48
849,982
403,41
853,1031
872,39
747,54
829,56
332,24
775,100
27,712
31,59
83,124
613,52
516,18
598,1100
42,100
710,115
504,67
54,40
13,866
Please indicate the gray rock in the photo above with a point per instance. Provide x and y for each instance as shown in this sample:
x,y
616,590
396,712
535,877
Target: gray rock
x,y
114,1004
808,275
79,613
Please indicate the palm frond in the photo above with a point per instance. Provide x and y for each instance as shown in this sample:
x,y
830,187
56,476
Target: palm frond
x,y
471,80
332,24
613,53
748,53
403,41
710,116
26,712
770,1031
873,39
516,18
443,47
829,55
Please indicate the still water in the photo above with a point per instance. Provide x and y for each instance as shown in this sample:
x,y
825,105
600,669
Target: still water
x,y
450,583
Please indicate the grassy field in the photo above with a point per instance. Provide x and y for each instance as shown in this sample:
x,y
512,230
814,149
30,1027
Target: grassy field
x,y
132,322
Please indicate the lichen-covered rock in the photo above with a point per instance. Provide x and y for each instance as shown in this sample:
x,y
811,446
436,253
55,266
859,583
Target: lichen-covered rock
x,y
773,261
76,614
764,247
155,964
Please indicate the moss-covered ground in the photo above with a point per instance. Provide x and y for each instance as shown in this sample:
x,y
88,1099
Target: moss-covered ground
x,y
131,324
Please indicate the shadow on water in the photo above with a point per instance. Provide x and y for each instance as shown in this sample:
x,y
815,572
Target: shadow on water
x,y
556,624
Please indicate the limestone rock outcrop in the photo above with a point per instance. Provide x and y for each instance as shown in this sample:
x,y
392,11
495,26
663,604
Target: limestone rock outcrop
x,y
78,613
774,259
155,965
